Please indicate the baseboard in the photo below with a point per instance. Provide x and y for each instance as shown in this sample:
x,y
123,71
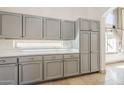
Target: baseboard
x,y
115,62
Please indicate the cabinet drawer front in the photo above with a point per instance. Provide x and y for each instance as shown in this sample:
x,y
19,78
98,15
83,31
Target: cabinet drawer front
x,y
8,60
71,56
53,57
30,58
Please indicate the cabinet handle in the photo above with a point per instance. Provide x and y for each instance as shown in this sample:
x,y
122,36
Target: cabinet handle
x,y
1,60
31,58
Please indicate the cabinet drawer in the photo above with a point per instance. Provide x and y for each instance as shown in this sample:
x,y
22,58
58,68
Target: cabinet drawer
x,y
30,58
8,60
53,57
71,56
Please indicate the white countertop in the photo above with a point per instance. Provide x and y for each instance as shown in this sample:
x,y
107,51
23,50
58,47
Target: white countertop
x,y
12,53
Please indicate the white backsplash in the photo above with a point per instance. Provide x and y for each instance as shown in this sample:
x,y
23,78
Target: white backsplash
x,y
8,45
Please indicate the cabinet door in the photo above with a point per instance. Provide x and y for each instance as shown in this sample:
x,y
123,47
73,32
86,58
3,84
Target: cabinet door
x,y
95,60
51,29
32,27
85,63
30,72
84,25
53,69
8,74
71,67
67,30
11,25
0,25
85,51
84,42
95,26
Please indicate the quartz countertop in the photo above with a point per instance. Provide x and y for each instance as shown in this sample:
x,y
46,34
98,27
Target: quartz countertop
x,y
13,53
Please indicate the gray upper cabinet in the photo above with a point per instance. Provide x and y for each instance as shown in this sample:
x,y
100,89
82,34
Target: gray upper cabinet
x,y
67,30
51,29
10,25
85,25
89,25
95,25
32,27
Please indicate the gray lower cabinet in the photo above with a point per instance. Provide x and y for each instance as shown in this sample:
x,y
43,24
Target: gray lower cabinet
x,y
30,69
53,69
71,67
67,30
8,74
10,25
51,29
8,71
32,27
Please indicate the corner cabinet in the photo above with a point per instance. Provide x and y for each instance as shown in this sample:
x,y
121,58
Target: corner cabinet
x,y
51,29
30,69
67,30
32,27
10,25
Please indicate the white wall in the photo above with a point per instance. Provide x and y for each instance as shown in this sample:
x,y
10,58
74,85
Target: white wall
x,y
112,58
70,13
102,39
